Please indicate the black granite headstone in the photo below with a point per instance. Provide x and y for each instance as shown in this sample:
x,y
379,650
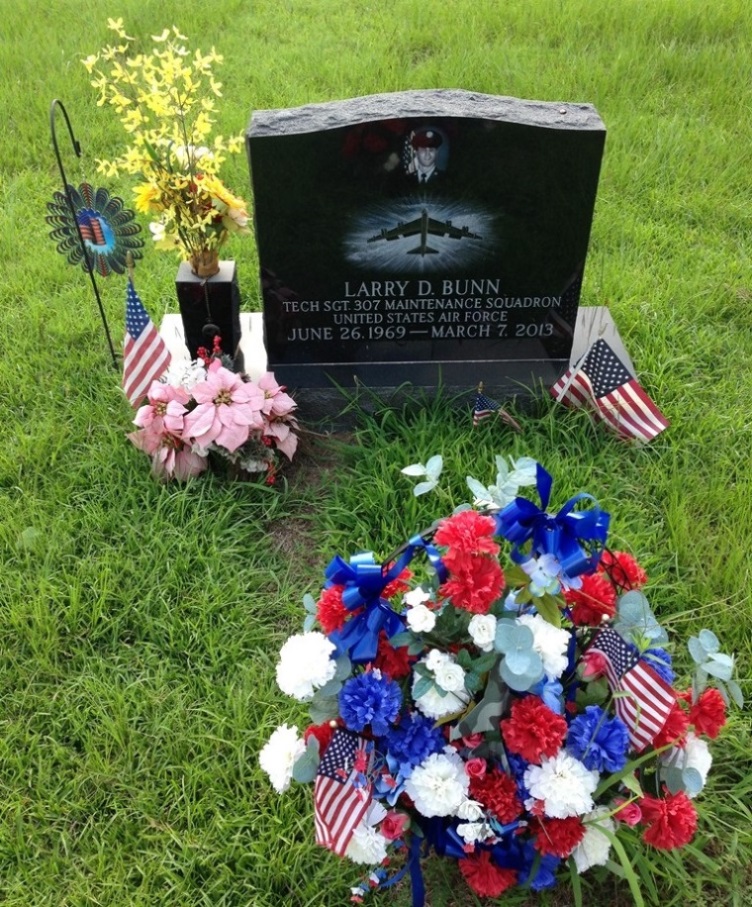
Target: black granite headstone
x,y
429,237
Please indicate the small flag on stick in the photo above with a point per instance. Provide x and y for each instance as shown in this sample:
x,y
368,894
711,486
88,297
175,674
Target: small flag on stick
x,y
342,791
601,382
645,699
484,407
145,357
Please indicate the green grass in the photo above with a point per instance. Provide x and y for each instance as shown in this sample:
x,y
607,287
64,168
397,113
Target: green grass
x,y
139,624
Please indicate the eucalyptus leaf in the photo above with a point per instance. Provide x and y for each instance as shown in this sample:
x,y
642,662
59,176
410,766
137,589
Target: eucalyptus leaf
x,y
308,623
692,781
672,778
324,710
330,689
519,682
309,603
696,650
709,641
720,666
343,668
520,662
414,470
307,764
423,488
735,691
472,681
423,686
484,662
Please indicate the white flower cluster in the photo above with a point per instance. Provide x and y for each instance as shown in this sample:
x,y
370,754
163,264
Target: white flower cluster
x,y
550,642
420,618
279,755
450,677
305,664
563,784
439,785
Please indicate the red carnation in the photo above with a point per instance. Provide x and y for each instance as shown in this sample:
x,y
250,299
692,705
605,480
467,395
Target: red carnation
x,y
558,837
497,792
467,533
671,821
476,585
331,612
391,660
593,601
623,569
533,730
485,878
322,732
708,714
674,730
398,586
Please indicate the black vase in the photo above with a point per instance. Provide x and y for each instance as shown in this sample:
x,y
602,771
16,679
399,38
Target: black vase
x,y
210,306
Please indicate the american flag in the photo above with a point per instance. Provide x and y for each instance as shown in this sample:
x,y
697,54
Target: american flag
x,y
342,792
484,407
146,356
600,381
649,698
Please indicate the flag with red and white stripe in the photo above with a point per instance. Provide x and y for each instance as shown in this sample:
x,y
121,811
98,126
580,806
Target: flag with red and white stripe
x,y
602,383
145,356
645,700
342,791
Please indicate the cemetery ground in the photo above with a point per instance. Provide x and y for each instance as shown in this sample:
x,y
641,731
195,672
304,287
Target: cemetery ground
x,y
139,623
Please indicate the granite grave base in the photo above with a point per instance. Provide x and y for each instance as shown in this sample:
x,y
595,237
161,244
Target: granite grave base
x,y
398,384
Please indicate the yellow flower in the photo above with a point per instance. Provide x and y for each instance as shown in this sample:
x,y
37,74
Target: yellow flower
x,y
90,62
148,198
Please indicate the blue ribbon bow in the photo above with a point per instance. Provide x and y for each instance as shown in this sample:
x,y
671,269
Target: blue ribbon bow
x,y
575,538
364,581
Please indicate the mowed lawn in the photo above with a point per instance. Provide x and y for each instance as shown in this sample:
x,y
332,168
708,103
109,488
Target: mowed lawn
x,y
139,623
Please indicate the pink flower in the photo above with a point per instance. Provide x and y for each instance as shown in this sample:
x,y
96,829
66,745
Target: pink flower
x,y
228,408
628,813
394,824
475,768
594,665
165,409
276,402
285,439
170,456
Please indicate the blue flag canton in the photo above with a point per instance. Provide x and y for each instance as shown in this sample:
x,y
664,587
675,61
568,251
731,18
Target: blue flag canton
x,y
620,653
604,369
485,404
339,757
136,318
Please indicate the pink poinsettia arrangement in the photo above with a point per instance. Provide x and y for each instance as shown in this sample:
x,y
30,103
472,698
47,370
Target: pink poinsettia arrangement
x,y
202,413
499,692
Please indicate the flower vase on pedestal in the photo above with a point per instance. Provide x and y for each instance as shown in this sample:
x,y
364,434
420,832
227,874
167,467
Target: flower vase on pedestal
x,y
209,300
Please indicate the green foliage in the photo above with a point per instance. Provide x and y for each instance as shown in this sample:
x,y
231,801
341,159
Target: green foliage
x,y
139,624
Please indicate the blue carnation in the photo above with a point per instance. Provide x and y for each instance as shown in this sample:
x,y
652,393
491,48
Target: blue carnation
x,y
599,742
660,661
413,740
370,699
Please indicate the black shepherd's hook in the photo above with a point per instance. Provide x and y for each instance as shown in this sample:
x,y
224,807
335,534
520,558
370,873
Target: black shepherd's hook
x,y
87,258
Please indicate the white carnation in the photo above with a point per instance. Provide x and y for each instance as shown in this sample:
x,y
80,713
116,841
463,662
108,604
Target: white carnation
x,y
280,754
594,848
305,664
482,628
185,374
421,619
367,845
563,784
439,785
550,642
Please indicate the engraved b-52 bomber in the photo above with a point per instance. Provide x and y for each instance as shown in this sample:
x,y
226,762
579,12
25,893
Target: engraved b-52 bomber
x,y
424,225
